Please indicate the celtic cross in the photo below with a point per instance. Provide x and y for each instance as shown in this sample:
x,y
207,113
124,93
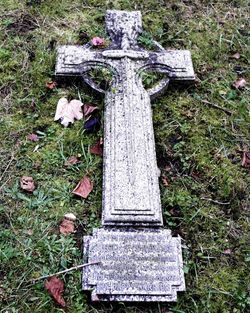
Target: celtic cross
x,y
139,260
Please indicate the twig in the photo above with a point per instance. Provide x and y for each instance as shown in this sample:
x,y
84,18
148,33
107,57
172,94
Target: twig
x,y
217,107
64,271
216,201
6,168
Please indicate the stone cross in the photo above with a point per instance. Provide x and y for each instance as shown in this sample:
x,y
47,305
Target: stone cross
x,y
139,260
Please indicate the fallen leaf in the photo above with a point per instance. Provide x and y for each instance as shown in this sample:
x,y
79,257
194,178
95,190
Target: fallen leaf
x,y
29,232
51,85
165,181
227,251
188,113
240,83
66,227
27,183
97,41
97,148
88,109
67,112
236,56
245,159
92,124
71,161
55,287
33,137
70,216
84,187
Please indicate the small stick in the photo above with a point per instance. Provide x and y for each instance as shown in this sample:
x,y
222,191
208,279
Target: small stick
x,y
7,167
217,107
216,201
64,271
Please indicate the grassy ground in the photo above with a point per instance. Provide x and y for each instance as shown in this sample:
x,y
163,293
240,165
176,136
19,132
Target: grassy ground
x,y
198,149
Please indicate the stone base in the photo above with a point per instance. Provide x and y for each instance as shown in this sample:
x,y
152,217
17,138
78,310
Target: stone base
x,y
135,265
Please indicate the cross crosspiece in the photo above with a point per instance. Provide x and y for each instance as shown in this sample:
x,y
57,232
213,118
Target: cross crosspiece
x,y
131,194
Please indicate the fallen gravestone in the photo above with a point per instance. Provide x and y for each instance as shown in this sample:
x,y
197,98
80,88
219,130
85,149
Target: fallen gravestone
x,y
139,260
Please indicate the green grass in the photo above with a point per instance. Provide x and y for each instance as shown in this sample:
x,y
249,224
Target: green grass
x,y
207,200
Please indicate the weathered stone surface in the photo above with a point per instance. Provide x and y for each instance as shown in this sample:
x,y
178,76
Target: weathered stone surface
x,y
139,261
135,265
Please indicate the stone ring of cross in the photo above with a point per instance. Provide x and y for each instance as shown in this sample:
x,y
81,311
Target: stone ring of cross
x,y
153,92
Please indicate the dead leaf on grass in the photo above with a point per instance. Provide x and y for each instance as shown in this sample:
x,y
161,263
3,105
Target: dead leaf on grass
x,y
33,137
165,181
67,112
245,159
51,85
227,252
84,187
235,56
55,287
71,161
88,109
67,226
97,148
240,83
70,216
27,183
98,41
91,125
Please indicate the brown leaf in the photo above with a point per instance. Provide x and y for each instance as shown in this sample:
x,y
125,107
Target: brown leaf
x,y
27,183
88,109
84,187
97,148
67,227
245,159
165,181
240,83
51,85
71,161
33,137
236,56
55,287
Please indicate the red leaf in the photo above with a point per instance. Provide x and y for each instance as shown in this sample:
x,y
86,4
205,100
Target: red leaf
x,y
88,109
33,137
240,83
97,148
97,41
51,85
83,188
245,159
27,183
55,287
67,227
71,161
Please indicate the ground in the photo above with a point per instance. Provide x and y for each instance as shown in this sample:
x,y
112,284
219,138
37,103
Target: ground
x,y
200,147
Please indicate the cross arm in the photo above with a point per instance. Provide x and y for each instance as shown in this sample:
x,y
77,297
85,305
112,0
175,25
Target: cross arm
x,y
176,63
77,61
74,60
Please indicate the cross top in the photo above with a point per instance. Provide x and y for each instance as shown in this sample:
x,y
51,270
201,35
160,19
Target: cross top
x,y
123,28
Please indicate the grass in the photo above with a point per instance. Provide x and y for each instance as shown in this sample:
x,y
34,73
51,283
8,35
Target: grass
x,y
207,199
